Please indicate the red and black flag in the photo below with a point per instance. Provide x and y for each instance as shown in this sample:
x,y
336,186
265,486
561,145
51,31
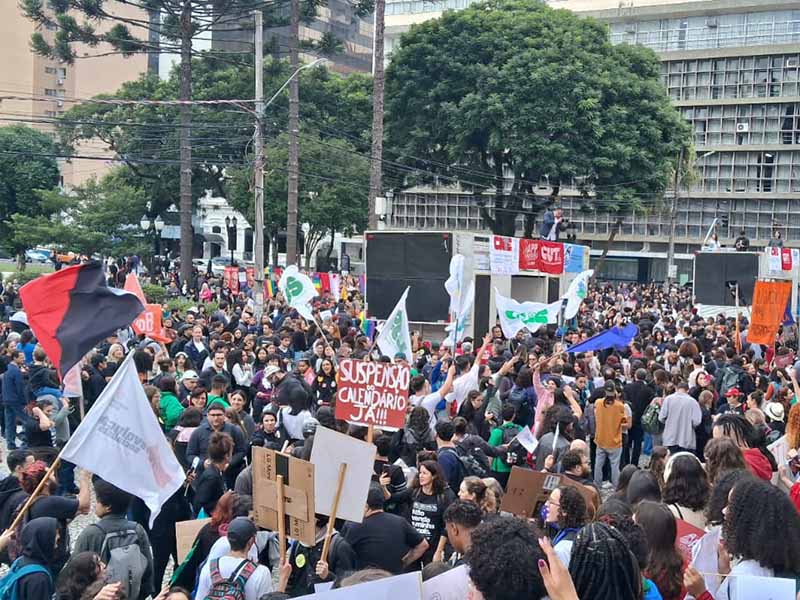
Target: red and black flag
x,y
71,310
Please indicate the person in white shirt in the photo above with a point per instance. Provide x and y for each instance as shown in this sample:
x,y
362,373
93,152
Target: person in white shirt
x,y
241,537
468,380
421,394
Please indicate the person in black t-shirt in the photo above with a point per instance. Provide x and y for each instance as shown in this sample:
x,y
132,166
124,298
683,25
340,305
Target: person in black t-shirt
x,y
428,503
383,540
62,508
39,429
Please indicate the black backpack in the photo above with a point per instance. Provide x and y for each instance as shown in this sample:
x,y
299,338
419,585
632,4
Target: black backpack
x,y
473,463
516,453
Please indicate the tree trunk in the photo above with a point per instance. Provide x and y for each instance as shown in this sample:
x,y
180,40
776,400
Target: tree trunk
x,y
185,143
615,229
294,136
21,264
273,244
375,175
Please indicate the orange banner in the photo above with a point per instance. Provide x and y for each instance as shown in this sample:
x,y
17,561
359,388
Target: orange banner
x,y
769,306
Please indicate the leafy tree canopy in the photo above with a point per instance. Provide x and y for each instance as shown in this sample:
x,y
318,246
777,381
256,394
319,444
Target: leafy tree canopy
x,y
515,87
27,167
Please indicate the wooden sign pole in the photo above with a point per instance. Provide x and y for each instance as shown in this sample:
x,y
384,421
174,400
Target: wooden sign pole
x,y
334,509
281,520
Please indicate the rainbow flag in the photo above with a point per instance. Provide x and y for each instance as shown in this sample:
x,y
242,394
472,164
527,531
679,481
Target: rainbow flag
x,y
270,288
367,325
315,279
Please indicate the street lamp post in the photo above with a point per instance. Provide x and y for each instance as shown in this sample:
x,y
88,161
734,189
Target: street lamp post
x,y
230,225
154,228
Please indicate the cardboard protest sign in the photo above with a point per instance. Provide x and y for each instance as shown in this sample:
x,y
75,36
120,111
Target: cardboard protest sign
x,y
452,585
186,532
688,534
331,450
407,587
298,489
372,393
528,489
769,305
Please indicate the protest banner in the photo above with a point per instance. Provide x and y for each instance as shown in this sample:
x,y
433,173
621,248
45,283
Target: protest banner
x,y
687,536
763,588
504,255
451,585
527,490
230,279
185,533
331,450
372,393
407,587
295,488
769,306
541,255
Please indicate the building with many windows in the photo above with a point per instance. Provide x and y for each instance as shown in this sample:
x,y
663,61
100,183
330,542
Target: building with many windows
x,y
45,88
731,68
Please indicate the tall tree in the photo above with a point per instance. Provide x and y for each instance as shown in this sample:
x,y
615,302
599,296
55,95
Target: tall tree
x,y
95,22
507,93
27,168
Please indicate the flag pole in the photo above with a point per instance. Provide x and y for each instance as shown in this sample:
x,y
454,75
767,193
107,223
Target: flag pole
x,y
738,341
334,509
45,480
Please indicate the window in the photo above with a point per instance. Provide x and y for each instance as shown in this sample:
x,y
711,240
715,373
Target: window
x,y
50,70
50,92
62,72
50,113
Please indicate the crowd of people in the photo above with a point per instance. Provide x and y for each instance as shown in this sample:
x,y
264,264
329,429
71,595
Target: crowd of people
x,y
689,425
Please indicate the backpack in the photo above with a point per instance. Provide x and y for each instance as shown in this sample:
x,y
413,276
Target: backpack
x,y
730,379
125,561
516,454
474,463
8,584
650,422
231,588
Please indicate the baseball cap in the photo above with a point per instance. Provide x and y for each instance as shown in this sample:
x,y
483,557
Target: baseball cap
x,y
240,530
270,371
609,387
400,355
190,375
734,391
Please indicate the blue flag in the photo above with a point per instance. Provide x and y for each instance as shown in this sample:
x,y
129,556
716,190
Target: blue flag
x,y
616,337
788,319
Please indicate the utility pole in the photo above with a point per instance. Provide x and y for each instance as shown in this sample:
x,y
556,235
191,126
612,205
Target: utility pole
x,y
185,112
258,233
378,79
294,136
673,215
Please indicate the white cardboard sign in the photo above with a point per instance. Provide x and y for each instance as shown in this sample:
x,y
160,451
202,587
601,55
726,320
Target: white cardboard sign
x,y
331,449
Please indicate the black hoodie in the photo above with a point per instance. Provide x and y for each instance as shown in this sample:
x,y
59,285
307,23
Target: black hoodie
x,y
38,541
11,496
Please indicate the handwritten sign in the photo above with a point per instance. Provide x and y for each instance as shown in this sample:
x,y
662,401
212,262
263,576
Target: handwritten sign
x,y
769,305
372,393
527,490
298,491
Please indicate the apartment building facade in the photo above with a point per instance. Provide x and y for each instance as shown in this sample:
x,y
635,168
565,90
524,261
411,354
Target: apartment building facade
x,y
731,67
48,87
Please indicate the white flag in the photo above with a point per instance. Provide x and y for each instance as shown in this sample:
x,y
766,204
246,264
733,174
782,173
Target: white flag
x,y
524,315
336,290
576,293
298,290
121,441
395,336
455,283
458,327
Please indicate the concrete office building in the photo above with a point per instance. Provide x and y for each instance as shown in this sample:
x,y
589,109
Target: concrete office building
x,y
336,18
731,68
49,85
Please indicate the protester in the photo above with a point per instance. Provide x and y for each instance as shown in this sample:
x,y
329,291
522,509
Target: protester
x,y
665,564
566,514
686,488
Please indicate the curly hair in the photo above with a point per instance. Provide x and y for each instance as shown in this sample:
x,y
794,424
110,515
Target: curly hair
x,y
722,454
719,494
33,475
81,571
793,427
762,524
506,549
572,512
739,429
687,483
664,561
602,565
